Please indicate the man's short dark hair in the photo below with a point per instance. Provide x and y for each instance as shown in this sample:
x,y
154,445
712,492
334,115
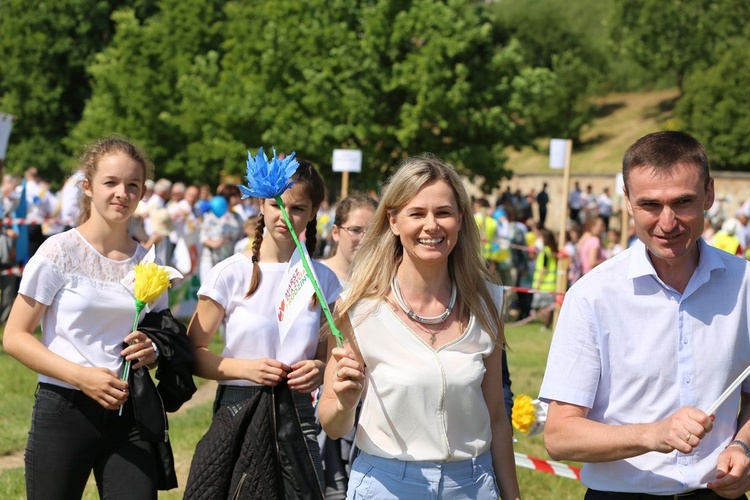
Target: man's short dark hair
x,y
482,202
662,151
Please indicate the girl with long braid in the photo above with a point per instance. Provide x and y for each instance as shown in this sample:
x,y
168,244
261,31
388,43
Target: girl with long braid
x,y
240,294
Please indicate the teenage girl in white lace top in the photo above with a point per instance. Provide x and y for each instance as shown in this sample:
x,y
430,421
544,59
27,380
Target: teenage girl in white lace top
x,y
423,351
72,286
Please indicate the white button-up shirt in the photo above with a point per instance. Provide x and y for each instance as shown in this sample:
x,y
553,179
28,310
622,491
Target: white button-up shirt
x,y
634,350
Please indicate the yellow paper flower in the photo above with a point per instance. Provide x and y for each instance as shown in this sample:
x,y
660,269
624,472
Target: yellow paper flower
x,y
151,280
524,413
147,281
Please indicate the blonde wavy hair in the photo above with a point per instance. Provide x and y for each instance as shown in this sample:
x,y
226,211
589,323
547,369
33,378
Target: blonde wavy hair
x,y
381,252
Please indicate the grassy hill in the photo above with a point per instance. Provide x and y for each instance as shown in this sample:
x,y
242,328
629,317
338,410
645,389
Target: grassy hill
x,y
624,117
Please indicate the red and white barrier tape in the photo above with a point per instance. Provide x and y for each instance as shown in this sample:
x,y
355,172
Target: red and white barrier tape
x,y
548,466
12,270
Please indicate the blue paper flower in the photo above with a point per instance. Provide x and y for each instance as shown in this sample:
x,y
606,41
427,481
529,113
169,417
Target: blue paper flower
x,y
268,180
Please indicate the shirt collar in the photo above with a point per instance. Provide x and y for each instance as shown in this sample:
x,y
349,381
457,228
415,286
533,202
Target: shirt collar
x,y
641,265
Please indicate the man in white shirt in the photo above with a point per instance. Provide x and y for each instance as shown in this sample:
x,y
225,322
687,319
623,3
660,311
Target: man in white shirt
x,y
604,207
575,203
649,340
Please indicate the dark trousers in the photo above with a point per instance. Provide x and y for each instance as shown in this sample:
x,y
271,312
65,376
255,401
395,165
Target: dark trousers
x,y
703,494
71,435
8,291
542,216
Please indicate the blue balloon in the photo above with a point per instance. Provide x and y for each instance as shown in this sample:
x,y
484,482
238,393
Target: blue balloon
x,y
219,205
204,206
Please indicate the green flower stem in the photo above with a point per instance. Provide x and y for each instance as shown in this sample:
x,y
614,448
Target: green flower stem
x,y
139,305
318,292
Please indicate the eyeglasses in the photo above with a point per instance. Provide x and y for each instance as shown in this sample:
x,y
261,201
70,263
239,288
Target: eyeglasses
x,y
354,230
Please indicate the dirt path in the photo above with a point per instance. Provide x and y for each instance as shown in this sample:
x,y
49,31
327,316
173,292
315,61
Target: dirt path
x,y
204,394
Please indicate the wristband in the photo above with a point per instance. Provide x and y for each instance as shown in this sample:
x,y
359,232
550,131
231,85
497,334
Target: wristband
x,y
742,445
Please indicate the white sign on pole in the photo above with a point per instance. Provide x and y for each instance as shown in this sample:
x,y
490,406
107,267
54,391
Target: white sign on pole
x,y
347,160
619,183
557,149
6,123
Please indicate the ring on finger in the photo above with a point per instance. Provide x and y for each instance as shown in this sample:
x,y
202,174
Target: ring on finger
x,y
689,435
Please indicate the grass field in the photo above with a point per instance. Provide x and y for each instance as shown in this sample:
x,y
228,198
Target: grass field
x,y
529,344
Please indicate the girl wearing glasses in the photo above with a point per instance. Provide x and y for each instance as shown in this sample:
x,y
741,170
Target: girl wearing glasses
x,y
353,215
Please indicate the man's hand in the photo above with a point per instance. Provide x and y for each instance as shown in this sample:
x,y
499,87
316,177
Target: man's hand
x,y
732,473
681,431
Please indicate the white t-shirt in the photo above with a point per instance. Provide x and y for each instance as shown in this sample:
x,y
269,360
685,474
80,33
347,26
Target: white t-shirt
x,y
90,312
250,324
70,198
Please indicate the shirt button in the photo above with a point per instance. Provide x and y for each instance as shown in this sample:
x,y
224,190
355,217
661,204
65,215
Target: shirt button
x,y
688,380
685,340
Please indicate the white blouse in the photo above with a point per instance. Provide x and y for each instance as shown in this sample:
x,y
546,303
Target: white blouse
x,y
421,403
90,312
251,325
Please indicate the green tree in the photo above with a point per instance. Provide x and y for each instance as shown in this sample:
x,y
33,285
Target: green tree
x,y
672,38
551,36
716,108
198,82
45,49
390,79
135,78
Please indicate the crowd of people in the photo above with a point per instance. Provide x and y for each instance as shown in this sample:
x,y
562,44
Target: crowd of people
x,y
415,397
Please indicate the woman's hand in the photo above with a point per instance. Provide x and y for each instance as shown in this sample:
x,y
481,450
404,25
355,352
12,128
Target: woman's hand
x,y
141,352
103,386
348,378
267,371
307,375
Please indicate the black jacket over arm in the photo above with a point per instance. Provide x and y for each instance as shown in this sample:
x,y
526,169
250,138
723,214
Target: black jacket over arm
x,y
175,374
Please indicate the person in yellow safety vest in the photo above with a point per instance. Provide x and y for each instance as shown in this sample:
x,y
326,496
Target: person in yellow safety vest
x,y
726,238
545,278
487,228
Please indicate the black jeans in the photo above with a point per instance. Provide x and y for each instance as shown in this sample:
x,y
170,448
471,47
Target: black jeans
x,y
71,435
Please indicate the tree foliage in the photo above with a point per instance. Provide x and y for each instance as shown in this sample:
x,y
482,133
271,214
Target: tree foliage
x,y
550,38
672,38
392,80
136,79
46,47
716,109
197,82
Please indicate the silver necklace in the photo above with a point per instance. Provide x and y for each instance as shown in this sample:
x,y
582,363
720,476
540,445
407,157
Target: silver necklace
x,y
426,320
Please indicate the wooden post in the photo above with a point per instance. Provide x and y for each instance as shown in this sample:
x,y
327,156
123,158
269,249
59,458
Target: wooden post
x,y
563,262
344,184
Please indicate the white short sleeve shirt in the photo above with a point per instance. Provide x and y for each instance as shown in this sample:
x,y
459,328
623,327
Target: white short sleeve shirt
x,y
634,350
251,325
90,312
